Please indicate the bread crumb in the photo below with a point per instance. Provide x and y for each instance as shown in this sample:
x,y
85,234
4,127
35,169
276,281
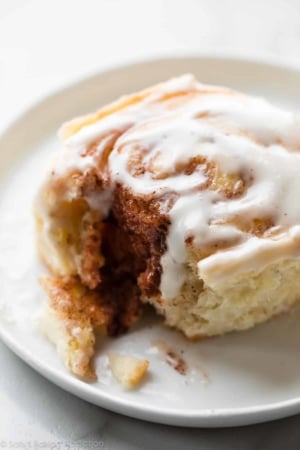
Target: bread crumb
x,y
128,370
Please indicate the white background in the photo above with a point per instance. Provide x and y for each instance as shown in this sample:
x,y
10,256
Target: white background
x,y
46,44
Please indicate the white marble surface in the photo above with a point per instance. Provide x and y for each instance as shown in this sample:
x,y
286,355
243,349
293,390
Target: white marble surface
x,y
45,44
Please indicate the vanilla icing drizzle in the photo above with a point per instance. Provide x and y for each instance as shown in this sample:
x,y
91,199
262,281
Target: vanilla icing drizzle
x,y
241,135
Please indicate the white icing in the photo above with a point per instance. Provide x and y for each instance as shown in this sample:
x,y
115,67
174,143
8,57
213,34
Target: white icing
x,y
242,135
221,264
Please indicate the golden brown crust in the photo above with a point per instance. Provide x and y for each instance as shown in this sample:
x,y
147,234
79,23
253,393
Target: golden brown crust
x,y
171,99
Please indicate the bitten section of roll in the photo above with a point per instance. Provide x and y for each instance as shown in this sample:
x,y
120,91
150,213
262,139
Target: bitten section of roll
x,y
184,196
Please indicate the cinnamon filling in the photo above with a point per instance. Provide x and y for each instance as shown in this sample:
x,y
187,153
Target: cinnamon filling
x,y
133,240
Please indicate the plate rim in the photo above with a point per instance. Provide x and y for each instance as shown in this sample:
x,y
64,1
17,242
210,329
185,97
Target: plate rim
x,y
268,62
172,416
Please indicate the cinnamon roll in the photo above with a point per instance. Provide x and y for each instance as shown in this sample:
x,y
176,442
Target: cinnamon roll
x,y
184,196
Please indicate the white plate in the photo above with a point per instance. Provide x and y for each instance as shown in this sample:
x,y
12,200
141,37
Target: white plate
x,y
238,379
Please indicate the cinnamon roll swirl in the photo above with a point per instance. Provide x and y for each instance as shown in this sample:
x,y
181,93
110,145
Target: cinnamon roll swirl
x,y
184,196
